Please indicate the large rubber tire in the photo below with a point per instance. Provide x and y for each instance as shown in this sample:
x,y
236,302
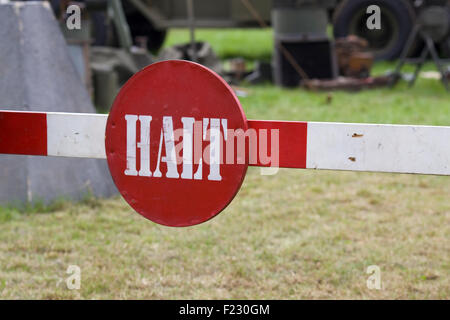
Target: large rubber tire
x,y
105,33
397,20
140,26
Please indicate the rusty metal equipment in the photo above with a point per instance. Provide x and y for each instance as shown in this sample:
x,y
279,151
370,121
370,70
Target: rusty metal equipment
x,y
349,83
353,58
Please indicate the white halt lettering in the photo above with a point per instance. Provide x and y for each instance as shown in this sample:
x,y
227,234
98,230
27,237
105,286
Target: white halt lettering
x,y
168,137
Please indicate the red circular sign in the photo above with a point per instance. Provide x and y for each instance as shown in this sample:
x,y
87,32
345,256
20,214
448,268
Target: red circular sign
x,y
165,143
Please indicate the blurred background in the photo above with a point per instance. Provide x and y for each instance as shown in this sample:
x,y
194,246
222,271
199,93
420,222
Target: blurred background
x,y
317,44
298,234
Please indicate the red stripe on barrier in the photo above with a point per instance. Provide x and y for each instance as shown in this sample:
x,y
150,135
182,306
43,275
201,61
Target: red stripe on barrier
x,y
292,140
23,133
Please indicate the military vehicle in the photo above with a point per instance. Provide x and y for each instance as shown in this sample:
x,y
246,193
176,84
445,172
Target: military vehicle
x,y
152,18
301,26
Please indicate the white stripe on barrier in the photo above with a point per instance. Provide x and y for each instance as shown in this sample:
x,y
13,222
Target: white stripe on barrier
x,y
330,146
76,135
377,147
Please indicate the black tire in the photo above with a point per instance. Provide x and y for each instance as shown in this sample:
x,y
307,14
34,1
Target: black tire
x,y
105,33
140,26
397,20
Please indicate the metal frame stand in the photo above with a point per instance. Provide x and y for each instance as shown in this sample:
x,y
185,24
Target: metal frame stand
x,y
429,49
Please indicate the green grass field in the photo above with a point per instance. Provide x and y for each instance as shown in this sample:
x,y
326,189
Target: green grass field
x,y
296,235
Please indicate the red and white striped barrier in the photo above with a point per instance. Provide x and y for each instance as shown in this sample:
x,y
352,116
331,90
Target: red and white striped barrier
x,y
167,137
303,145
